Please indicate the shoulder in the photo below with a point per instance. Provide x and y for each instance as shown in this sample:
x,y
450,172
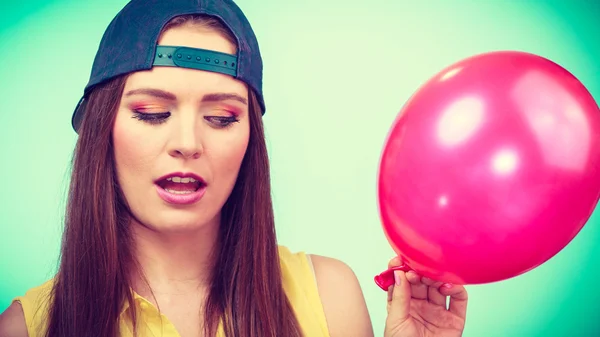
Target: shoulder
x,y
27,314
12,321
331,285
342,297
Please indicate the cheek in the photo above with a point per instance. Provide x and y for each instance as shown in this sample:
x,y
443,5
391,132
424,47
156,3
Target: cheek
x,y
132,151
228,156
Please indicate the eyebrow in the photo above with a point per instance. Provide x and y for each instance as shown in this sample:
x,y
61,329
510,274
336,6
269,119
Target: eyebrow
x,y
214,97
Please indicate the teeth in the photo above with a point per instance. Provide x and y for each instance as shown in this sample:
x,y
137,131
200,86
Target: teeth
x,y
179,192
182,180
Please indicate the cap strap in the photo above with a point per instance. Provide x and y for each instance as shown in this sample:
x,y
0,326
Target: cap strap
x,y
194,58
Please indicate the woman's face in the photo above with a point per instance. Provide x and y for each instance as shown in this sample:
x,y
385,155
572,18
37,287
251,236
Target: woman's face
x,y
179,138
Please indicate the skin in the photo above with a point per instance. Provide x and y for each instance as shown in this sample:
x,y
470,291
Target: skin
x,y
173,243
417,306
12,322
203,135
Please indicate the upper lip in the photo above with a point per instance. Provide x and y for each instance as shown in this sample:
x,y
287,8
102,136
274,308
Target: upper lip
x,y
182,175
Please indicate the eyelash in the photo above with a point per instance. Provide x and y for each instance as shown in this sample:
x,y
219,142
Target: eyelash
x,y
151,118
161,117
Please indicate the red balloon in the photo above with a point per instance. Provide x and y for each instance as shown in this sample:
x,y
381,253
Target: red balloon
x,y
490,169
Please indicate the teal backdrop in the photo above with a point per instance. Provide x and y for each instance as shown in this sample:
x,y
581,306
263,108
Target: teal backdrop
x,y
336,74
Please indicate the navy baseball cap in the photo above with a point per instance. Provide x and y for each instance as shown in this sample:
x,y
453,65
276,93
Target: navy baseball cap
x,y
129,44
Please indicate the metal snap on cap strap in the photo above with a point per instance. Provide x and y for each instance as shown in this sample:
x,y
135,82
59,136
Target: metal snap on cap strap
x,y
194,58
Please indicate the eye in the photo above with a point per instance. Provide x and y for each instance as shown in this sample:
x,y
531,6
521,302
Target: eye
x,y
222,121
151,118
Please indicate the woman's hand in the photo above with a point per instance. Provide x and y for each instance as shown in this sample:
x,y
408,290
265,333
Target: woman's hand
x,y
417,307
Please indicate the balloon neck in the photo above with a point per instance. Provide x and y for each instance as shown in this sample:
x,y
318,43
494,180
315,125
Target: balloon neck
x,y
386,279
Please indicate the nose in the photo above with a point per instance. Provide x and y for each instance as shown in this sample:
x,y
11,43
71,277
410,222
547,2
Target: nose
x,y
185,140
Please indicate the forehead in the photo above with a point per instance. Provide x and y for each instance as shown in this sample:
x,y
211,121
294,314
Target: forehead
x,y
184,79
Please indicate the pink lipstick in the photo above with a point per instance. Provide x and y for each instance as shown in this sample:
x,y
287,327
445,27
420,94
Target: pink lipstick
x,y
179,188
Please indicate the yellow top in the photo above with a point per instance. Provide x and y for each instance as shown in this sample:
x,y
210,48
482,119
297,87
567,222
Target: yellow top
x,y
298,282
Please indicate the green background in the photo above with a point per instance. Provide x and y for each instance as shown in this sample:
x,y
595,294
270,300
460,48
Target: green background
x,y
336,74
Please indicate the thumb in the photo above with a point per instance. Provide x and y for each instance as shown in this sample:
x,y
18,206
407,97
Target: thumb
x,y
399,305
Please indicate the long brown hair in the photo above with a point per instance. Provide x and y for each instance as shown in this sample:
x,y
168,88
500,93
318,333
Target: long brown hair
x,y
92,284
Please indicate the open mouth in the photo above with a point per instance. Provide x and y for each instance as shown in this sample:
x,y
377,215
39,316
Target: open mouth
x,y
179,185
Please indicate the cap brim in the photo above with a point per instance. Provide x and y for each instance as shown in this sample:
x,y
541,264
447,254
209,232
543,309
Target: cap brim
x,y
78,114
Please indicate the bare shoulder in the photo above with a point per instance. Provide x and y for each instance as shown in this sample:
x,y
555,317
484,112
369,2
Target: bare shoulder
x,y
12,322
342,297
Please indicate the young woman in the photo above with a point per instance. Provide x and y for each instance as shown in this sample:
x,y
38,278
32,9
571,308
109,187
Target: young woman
x,y
169,226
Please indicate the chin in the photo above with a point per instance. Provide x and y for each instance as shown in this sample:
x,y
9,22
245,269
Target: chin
x,y
170,223
177,221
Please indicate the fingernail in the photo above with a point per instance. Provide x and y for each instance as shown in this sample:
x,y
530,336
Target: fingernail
x,y
397,277
447,285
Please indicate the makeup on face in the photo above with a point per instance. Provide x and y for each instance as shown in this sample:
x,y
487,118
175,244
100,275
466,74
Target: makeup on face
x,y
180,188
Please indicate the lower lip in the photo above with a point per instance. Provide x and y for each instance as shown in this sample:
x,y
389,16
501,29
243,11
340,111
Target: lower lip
x,y
180,199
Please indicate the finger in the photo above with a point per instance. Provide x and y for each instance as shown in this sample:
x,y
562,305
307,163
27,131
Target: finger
x,y
458,299
435,297
395,262
433,294
431,283
399,307
418,289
